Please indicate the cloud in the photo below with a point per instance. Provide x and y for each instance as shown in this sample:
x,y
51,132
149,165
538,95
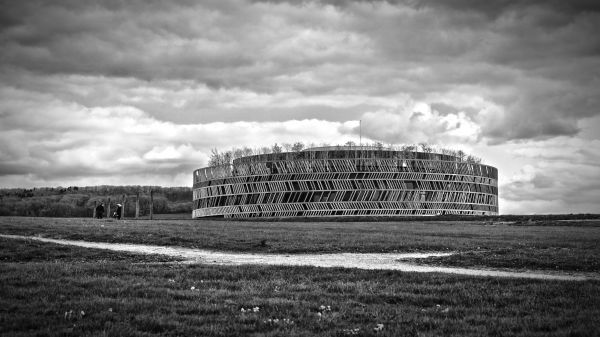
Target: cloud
x,y
531,59
140,91
416,122
51,142
564,172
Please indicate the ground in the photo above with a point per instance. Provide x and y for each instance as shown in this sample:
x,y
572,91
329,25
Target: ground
x,y
56,290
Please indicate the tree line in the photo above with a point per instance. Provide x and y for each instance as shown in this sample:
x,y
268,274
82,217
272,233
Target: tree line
x,y
227,157
80,201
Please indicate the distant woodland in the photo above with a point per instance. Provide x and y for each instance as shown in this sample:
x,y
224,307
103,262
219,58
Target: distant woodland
x,y
80,201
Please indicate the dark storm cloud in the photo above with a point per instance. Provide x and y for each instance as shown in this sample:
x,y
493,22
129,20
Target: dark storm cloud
x,y
493,9
114,39
362,48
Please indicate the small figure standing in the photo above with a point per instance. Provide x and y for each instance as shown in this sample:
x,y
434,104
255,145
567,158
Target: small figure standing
x,y
100,211
117,214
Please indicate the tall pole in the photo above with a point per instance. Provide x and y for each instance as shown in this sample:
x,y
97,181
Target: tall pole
x,y
360,132
151,204
123,209
137,205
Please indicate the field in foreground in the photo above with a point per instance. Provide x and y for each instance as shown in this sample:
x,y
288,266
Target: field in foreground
x,y
58,290
55,290
560,246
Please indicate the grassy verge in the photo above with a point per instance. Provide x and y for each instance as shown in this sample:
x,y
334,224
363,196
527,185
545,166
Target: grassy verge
x,y
559,258
79,296
38,252
570,247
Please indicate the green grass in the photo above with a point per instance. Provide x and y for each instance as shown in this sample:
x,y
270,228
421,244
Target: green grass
x,y
571,246
48,291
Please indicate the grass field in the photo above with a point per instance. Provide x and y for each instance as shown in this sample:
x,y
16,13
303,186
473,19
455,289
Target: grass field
x,y
48,289
570,246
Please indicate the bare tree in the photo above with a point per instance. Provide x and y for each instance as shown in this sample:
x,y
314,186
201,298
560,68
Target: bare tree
x,y
247,151
297,147
227,157
276,148
215,158
426,147
473,159
238,153
408,148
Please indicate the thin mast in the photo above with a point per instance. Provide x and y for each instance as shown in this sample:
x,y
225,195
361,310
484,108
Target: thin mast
x,y
360,132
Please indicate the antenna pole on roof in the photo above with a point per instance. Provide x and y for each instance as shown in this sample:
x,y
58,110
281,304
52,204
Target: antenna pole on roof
x,y
360,133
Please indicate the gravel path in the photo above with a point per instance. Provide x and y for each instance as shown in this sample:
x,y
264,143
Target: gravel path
x,y
380,261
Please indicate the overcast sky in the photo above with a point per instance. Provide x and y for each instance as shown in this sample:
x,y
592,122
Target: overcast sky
x,y
138,92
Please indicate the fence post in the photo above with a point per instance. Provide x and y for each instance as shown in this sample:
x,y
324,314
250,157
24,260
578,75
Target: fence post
x,y
137,205
94,211
108,215
151,204
124,208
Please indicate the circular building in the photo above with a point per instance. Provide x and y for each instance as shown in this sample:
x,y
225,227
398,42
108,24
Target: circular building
x,y
346,181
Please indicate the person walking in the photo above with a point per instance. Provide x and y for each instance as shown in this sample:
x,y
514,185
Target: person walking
x,y
118,212
100,211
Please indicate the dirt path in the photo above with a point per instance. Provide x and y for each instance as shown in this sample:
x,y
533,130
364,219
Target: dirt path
x,y
381,261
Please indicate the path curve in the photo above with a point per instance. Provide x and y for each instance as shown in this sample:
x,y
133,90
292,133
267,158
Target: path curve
x,y
371,261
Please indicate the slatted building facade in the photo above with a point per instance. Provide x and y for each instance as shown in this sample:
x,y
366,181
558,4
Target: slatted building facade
x,y
345,181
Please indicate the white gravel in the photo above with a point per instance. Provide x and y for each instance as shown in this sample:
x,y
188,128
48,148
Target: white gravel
x,y
379,261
